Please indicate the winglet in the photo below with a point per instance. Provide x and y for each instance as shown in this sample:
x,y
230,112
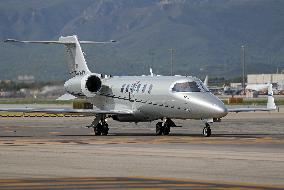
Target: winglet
x,y
270,99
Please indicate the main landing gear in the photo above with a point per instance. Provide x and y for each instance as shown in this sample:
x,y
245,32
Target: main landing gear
x,y
207,130
100,126
164,128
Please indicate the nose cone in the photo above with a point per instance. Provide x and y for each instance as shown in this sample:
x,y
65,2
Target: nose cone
x,y
219,110
206,105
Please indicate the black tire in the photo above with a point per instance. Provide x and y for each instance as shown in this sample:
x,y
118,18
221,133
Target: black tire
x,y
206,132
159,128
166,130
98,129
98,133
105,129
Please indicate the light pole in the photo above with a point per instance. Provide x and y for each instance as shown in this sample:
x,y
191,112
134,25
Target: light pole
x,y
243,66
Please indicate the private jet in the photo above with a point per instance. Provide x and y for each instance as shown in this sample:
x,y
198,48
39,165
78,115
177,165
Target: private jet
x,y
136,98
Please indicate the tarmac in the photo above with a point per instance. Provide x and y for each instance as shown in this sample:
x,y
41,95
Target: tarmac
x,y
245,152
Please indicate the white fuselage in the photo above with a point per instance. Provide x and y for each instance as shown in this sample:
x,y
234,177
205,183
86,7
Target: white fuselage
x,y
153,97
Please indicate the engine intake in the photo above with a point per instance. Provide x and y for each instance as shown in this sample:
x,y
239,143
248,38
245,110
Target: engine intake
x,y
86,85
93,83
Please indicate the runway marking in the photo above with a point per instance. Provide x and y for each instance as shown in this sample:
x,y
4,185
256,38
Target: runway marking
x,y
122,183
97,140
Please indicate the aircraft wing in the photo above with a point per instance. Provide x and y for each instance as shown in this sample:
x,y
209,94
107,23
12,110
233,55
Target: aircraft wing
x,y
68,111
55,42
248,109
269,107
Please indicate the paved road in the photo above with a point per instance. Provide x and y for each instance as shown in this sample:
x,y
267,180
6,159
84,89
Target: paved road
x,y
246,150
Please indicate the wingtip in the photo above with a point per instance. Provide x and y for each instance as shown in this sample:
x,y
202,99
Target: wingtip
x,y
10,40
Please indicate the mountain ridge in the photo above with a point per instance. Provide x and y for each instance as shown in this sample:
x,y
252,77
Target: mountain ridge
x,y
206,36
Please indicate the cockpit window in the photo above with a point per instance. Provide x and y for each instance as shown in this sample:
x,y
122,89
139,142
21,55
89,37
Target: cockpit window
x,y
186,87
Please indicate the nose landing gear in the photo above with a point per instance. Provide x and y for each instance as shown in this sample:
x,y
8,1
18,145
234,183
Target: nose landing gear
x,y
207,130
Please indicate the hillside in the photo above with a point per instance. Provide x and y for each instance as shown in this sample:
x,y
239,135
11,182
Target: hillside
x,y
205,34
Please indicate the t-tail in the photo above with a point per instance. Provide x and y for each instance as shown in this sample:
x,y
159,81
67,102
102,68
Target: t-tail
x,y
82,81
76,60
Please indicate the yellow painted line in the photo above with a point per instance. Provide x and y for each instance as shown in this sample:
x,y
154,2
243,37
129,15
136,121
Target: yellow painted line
x,y
37,115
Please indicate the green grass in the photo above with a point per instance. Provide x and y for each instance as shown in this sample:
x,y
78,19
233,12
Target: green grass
x,y
256,102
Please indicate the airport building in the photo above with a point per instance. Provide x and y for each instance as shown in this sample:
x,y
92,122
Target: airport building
x,y
264,78
26,79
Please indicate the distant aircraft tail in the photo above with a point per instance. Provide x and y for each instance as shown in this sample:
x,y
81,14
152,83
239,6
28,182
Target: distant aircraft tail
x,y
76,60
269,107
270,100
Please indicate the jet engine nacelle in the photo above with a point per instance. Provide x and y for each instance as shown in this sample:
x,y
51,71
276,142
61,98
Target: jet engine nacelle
x,y
87,85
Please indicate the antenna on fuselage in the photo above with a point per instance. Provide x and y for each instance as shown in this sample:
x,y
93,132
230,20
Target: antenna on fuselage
x,y
206,81
151,72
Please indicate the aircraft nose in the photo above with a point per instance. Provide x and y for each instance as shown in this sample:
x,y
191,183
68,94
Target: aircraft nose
x,y
220,110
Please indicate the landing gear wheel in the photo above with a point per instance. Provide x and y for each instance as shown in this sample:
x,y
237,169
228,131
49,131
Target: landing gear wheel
x,y
100,125
167,130
105,129
164,129
98,129
167,126
159,128
207,130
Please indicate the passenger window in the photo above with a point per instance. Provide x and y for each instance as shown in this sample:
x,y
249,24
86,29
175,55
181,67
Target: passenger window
x,y
144,88
122,88
150,89
131,88
138,87
127,87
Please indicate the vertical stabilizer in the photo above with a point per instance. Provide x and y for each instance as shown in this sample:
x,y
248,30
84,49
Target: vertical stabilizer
x,y
76,60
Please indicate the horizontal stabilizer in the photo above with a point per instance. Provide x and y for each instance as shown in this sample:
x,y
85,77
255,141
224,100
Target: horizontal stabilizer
x,y
62,40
